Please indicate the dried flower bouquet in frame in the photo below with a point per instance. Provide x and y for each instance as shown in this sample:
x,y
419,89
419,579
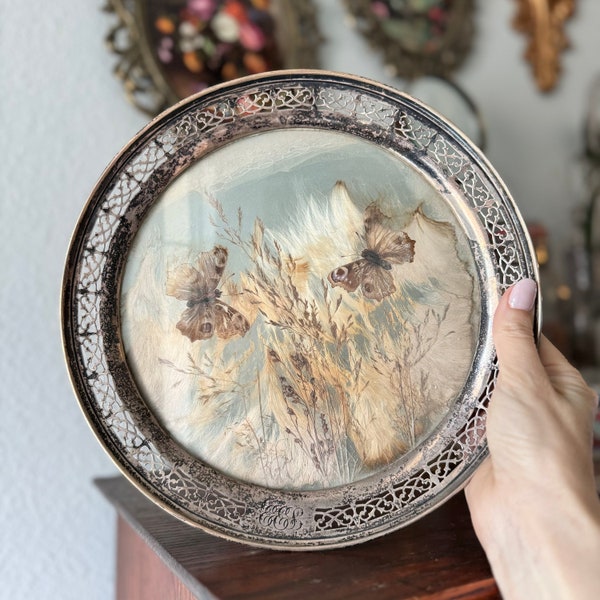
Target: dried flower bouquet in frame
x,y
417,37
170,49
277,308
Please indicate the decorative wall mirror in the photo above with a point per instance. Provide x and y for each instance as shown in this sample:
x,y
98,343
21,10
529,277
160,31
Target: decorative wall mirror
x,y
170,49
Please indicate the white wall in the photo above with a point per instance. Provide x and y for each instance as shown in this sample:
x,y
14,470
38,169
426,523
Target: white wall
x,y
62,117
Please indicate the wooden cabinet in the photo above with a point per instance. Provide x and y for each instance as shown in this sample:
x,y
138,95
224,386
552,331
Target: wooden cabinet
x,y
162,558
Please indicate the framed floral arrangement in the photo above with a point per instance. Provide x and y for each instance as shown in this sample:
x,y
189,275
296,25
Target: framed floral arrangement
x,y
170,49
417,37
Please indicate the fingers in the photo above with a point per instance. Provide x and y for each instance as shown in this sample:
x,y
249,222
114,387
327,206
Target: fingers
x,y
513,331
522,366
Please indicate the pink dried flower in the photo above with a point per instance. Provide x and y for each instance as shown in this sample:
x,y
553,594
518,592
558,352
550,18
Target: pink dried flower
x,y
165,50
252,37
203,9
380,10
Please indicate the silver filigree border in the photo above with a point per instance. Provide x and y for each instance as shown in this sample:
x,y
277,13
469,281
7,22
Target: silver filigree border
x,y
108,394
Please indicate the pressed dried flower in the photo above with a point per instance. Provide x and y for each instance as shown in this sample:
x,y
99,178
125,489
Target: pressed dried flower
x,y
204,9
255,63
165,25
229,71
226,28
193,62
252,37
165,50
187,29
237,10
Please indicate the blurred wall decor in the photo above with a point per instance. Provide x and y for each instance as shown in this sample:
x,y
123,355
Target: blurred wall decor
x,y
417,37
422,43
543,23
590,221
170,49
571,302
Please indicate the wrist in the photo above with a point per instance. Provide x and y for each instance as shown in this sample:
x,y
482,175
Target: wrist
x,y
546,552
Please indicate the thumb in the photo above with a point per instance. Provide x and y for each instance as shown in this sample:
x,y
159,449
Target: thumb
x,y
513,330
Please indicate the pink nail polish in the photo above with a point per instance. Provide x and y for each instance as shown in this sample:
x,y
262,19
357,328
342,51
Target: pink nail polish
x,y
522,295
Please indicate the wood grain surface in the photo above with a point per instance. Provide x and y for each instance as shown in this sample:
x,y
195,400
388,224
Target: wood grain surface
x,y
158,556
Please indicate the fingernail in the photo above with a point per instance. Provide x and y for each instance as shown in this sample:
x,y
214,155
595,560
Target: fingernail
x,y
522,295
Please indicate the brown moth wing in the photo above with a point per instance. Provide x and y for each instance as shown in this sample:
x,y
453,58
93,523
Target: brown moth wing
x,y
348,276
383,245
373,216
210,267
198,321
228,321
190,283
219,257
183,282
377,283
397,248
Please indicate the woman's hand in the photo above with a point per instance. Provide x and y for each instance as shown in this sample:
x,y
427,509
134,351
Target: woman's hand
x,y
533,502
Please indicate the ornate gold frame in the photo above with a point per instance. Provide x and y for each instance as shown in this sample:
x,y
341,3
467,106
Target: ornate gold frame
x,y
543,22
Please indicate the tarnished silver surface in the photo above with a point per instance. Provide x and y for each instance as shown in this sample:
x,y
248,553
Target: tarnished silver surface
x,y
190,489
